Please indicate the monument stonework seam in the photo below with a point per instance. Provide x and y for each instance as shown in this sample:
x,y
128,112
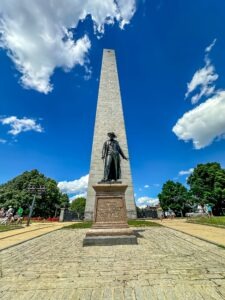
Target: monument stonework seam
x,y
109,118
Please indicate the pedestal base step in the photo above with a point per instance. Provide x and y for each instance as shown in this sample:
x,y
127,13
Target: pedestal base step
x,y
110,240
101,231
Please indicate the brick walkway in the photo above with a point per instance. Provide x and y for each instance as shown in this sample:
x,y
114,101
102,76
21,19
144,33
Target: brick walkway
x,y
209,233
165,265
13,237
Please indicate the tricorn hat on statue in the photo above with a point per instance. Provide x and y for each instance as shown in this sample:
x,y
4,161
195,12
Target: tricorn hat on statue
x,y
111,134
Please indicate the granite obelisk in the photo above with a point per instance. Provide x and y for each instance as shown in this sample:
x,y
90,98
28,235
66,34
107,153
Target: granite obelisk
x,y
109,118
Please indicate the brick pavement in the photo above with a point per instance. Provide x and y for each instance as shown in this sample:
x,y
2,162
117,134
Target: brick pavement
x,y
209,233
17,236
166,264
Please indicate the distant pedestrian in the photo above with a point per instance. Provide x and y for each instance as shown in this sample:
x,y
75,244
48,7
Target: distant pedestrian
x,y
10,211
20,211
2,212
172,215
208,209
161,215
9,214
19,215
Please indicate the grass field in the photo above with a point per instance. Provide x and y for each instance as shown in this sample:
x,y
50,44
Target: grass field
x,y
132,223
9,227
79,225
213,221
142,223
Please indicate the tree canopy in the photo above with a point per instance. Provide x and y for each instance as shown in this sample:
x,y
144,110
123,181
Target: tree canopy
x,y
174,196
207,185
78,205
15,193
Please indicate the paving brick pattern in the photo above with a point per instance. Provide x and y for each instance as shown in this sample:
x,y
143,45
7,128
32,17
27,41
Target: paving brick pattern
x,y
13,237
209,233
164,265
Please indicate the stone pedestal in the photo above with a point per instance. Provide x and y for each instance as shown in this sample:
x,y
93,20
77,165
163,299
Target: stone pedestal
x,y
110,217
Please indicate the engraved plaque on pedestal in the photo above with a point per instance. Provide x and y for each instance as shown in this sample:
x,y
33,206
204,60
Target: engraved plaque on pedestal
x,y
110,206
110,210
110,225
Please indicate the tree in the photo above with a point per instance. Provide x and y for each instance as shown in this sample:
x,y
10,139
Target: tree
x,y
174,196
64,201
207,186
15,193
78,205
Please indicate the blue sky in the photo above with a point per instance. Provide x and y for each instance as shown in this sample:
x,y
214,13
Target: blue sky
x,y
50,62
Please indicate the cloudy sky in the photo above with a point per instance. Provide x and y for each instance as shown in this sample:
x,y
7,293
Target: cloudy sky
x,y
171,61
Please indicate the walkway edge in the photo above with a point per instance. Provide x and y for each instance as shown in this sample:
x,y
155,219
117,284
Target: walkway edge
x,y
195,236
32,238
6,237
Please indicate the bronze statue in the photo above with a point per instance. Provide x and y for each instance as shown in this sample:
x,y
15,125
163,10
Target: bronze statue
x,y
111,155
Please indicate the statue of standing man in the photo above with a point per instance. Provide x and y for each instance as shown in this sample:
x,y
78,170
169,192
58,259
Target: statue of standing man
x,y
111,153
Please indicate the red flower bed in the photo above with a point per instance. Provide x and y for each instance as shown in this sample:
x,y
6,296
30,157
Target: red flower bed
x,y
53,219
40,219
37,218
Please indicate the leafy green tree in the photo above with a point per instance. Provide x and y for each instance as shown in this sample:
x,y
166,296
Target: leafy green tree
x,y
174,196
78,205
64,201
15,193
207,185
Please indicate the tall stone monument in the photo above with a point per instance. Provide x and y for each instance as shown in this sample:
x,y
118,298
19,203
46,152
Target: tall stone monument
x,y
109,118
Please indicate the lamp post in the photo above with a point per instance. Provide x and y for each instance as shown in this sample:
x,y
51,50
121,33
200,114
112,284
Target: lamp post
x,y
35,191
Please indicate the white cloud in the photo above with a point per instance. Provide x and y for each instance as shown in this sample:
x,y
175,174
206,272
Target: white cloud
x,y
156,184
2,141
37,34
203,79
186,172
142,206
75,187
127,10
204,123
83,195
147,186
142,202
209,48
21,125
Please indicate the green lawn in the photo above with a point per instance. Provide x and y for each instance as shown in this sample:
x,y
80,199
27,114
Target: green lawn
x,y
133,223
142,223
79,225
213,221
9,227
